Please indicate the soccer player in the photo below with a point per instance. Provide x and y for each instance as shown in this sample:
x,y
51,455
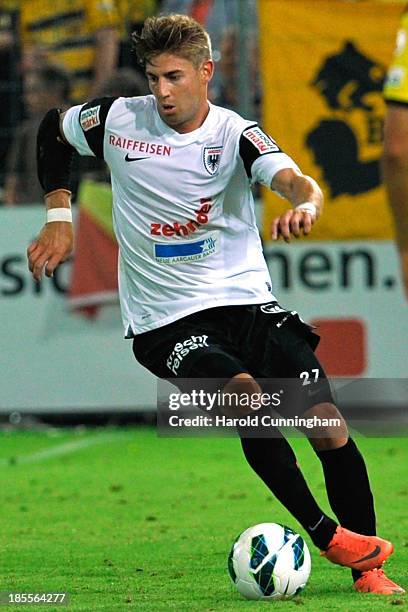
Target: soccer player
x,y
395,157
195,292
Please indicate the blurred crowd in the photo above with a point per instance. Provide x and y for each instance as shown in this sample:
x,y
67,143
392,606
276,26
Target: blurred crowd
x,y
56,53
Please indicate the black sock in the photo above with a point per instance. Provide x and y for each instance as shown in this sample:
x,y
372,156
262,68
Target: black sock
x,y
275,463
348,489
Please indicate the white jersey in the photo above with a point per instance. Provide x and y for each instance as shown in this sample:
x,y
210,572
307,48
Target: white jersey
x,y
183,211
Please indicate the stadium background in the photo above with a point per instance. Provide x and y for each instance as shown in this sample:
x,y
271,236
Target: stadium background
x,y
115,515
317,90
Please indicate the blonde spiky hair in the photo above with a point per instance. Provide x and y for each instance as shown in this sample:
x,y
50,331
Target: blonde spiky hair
x,y
177,34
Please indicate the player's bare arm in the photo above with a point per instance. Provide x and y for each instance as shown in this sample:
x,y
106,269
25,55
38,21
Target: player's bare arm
x,y
54,243
307,201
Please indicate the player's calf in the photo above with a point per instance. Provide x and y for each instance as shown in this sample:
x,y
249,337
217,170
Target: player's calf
x,y
330,431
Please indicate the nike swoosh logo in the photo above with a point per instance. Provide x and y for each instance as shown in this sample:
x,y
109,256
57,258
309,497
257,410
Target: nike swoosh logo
x,y
372,554
127,158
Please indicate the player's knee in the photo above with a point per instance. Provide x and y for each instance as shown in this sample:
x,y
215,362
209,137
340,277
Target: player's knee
x,y
237,395
329,430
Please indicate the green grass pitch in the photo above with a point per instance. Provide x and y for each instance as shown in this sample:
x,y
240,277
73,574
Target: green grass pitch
x,y
122,520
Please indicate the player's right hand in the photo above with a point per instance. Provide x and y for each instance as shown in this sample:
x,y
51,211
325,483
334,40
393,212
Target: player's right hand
x,y
53,246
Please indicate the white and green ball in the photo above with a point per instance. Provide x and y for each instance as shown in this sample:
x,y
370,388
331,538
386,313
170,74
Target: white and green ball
x,y
269,561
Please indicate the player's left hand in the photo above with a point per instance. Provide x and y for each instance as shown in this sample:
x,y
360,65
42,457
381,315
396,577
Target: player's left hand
x,y
292,223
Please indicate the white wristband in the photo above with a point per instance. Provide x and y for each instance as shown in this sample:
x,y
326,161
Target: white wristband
x,y
308,207
59,214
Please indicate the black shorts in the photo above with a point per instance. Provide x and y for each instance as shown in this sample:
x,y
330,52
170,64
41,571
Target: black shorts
x,y
264,340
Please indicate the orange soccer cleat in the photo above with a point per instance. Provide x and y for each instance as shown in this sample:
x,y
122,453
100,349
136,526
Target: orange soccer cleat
x,y
375,581
360,552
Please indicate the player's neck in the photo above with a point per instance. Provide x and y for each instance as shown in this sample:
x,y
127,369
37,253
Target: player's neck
x,y
196,122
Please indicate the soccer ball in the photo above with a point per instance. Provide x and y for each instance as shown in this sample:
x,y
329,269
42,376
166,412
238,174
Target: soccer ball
x,y
269,561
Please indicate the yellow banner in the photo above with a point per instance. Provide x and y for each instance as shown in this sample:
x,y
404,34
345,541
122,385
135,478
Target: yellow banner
x,y
323,66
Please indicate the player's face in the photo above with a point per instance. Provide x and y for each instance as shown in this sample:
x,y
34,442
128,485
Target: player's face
x,y
180,89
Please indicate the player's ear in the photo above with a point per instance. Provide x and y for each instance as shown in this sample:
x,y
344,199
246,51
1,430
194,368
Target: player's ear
x,y
207,70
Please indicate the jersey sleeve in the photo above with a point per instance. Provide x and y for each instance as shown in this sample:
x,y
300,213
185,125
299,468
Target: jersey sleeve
x,y
396,82
262,156
84,126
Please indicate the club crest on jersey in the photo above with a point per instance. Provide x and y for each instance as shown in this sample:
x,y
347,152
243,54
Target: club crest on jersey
x,y
211,158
